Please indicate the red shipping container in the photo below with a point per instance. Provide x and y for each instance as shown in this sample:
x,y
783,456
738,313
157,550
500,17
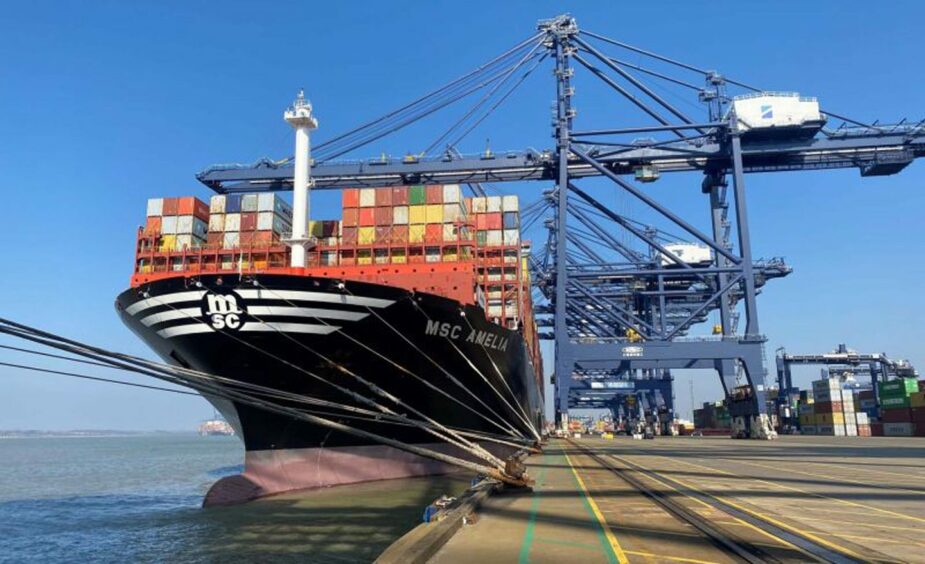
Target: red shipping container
x,y
433,232
828,407
383,215
214,240
170,206
481,222
494,220
264,238
248,222
896,415
367,217
866,394
384,197
153,226
246,238
918,415
350,198
399,234
349,235
922,385
351,217
400,196
383,234
919,430
433,194
876,429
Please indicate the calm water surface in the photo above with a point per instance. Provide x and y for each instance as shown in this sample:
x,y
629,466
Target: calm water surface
x,y
137,499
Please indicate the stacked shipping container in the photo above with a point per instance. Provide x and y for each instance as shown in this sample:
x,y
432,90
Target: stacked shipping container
x,y
176,224
896,412
249,220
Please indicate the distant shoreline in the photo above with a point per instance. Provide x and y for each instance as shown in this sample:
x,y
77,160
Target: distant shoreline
x,y
83,433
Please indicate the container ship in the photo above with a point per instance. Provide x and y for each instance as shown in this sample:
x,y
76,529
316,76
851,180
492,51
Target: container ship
x,y
421,291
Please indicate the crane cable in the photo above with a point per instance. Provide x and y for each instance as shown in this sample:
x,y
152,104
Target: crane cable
x,y
163,372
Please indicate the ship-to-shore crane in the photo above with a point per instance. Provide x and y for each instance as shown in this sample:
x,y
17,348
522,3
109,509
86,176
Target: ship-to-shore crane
x,y
619,311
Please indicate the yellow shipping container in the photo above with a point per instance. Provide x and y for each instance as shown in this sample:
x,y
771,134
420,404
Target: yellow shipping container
x,y
168,243
450,256
260,264
830,419
417,214
807,419
366,235
416,232
917,399
398,256
434,213
364,256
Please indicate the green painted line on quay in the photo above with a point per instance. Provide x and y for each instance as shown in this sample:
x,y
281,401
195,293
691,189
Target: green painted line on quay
x,y
527,543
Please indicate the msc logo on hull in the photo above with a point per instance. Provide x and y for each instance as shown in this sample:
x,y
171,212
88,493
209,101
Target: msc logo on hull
x,y
223,311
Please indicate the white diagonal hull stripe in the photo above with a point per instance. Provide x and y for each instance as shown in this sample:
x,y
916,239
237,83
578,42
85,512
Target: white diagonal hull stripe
x,y
165,299
178,330
320,313
170,315
298,295
290,328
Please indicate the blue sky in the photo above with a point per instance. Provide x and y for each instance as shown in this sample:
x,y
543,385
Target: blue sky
x,y
106,104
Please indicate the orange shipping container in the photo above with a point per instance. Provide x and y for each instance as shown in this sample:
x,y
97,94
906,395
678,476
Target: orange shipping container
x,y
399,234
494,221
153,226
351,217
246,239
434,194
481,222
214,240
350,198
367,217
264,238
384,197
433,233
194,207
170,206
400,196
384,214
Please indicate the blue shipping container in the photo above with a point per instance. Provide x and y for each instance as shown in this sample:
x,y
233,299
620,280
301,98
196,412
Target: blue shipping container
x,y
233,203
510,220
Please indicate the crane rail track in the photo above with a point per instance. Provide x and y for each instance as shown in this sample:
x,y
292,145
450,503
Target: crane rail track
x,y
741,551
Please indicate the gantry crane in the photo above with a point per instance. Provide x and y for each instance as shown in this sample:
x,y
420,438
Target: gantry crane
x,y
618,310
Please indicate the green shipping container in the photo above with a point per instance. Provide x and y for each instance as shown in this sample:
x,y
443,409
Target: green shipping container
x,y
417,195
888,402
899,387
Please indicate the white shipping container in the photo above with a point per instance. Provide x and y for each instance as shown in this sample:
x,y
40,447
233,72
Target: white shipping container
x,y
367,197
862,418
231,240
449,232
266,202
265,220
216,222
400,215
898,429
493,203
185,225
451,193
511,236
494,237
188,242
232,222
510,204
850,418
217,205
851,430
453,212
155,207
169,225
249,203
432,255
479,205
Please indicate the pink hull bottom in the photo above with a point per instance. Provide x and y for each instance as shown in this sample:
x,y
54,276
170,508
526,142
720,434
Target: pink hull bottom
x,y
268,472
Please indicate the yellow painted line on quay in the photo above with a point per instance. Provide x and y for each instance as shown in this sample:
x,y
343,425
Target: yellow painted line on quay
x,y
791,488
614,543
663,557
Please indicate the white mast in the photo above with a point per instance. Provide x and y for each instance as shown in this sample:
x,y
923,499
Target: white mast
x,y
299,116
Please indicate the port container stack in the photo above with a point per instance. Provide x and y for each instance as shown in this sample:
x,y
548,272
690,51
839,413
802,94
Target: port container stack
x,y
248,220
713,415
405,224
829,410
896,406
502,271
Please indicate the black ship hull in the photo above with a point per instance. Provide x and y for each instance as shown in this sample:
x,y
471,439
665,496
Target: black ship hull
x,y
311,336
